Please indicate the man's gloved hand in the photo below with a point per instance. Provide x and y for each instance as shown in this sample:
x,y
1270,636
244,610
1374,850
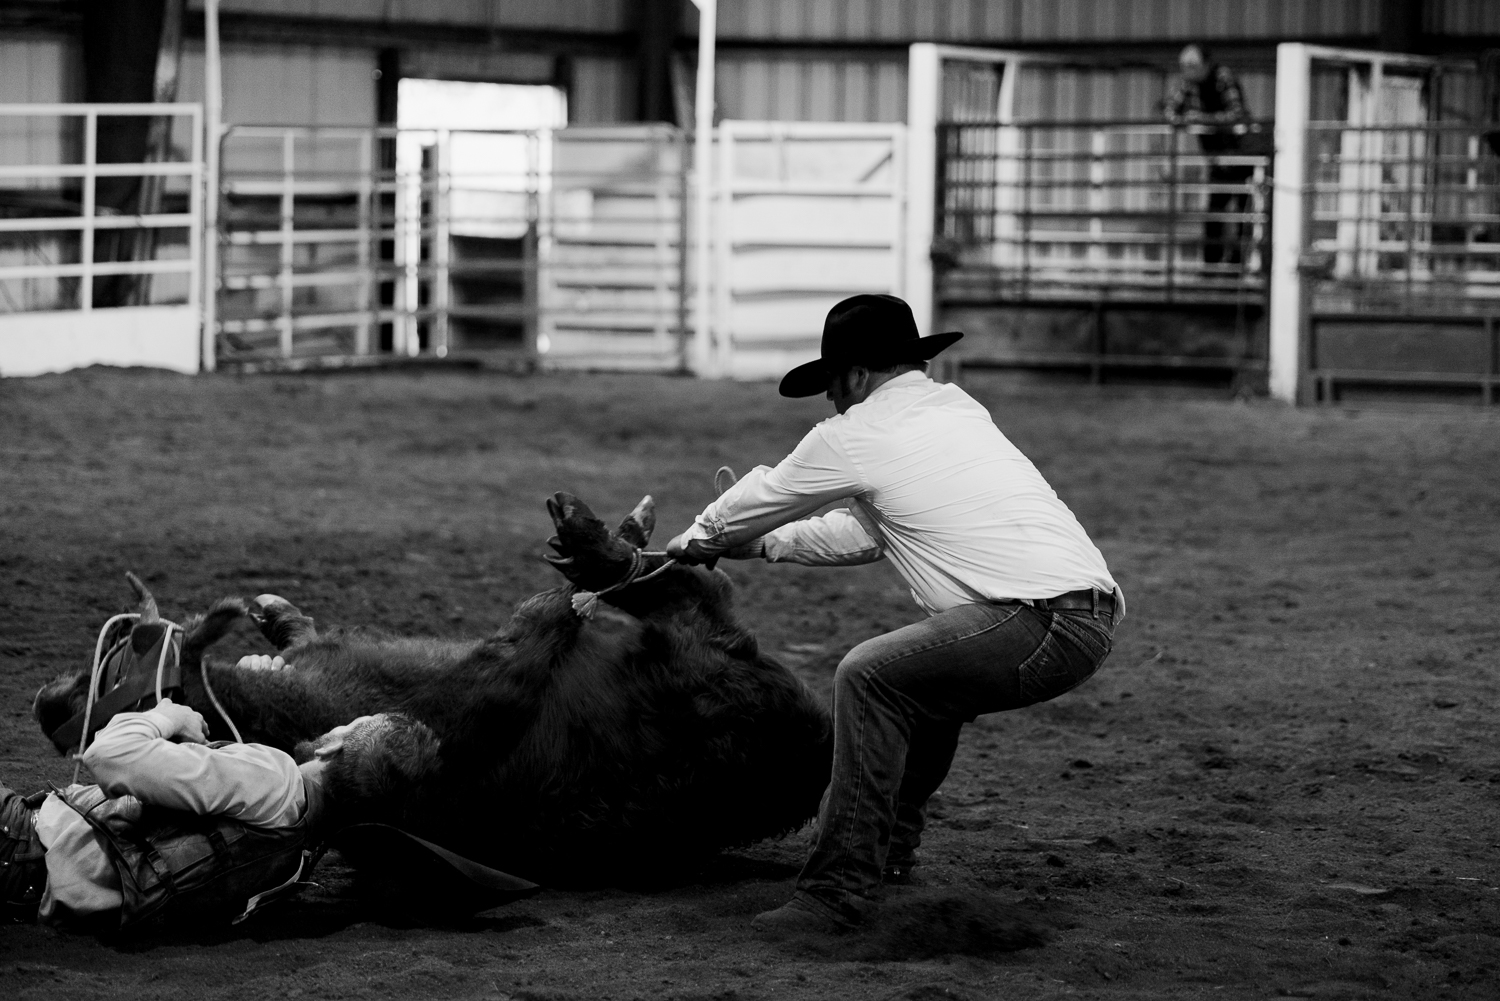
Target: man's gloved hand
x,y
182,723
688,551
691,551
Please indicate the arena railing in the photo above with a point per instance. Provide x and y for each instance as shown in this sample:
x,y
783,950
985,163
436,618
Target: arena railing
x,y
1402,235
1046,210
341,244
57,242
1102,215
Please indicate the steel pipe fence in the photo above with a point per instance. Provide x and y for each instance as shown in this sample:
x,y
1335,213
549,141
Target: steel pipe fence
x,y
1399,262
59,246
1403,218
349,242
1118,211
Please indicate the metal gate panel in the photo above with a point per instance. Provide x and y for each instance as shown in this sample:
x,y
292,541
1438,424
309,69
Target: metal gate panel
x,y
807,214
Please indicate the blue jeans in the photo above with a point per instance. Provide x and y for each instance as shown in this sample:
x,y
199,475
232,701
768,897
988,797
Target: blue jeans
x,y
899,701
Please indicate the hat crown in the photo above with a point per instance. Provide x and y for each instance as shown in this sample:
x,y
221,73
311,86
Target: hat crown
x,y
869,330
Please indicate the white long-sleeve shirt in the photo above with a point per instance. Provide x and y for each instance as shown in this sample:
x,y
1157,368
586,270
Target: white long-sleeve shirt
x,y
252,783
934,487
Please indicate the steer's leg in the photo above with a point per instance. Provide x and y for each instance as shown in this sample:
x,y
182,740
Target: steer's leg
x,y
282,623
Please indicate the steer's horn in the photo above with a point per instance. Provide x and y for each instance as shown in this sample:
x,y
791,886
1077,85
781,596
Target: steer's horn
x,y
638,524
149,612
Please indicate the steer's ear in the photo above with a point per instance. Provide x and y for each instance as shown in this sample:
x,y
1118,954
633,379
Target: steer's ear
x,y
637,527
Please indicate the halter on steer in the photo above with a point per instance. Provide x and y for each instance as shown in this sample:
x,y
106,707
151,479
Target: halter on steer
x,y
584,602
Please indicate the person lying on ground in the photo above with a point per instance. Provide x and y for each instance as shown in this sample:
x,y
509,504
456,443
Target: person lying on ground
x,y
1021,606
176,829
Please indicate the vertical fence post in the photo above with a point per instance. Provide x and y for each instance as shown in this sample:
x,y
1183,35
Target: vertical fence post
x,y
195,213
684,270
86,241
1288,207
661,223
703,169
1173,135
923,97
362,256
442,291
288,207
1025,234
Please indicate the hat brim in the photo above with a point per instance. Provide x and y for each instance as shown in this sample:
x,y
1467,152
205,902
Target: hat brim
x,y
812,378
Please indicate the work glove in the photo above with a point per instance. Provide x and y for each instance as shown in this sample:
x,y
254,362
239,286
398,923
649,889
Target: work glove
x,y
691,551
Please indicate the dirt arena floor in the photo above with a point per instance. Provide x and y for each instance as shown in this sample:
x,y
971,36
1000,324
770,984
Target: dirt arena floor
x,y
1284,782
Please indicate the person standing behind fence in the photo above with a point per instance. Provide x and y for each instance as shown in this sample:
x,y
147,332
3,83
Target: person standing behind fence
x,y
1207,94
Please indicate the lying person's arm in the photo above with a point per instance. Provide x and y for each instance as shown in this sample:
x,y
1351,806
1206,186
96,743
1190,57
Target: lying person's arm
x,y
135,754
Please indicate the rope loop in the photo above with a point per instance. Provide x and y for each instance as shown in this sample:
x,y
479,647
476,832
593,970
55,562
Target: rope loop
x,y
585,602
161,667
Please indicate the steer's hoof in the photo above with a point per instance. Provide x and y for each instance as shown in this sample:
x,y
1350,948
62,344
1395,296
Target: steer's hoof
x,y
282,623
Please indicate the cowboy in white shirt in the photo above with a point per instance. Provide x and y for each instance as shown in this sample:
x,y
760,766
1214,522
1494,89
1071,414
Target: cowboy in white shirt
x,y
1021,605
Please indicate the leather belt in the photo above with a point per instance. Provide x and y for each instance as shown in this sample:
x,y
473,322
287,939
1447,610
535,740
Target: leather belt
x,y
1087,599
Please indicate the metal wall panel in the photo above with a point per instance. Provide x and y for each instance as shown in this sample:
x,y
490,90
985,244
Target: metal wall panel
x,y
1071,94
800,89
1462,17
560,15
39,71
288,84
603,91
997,22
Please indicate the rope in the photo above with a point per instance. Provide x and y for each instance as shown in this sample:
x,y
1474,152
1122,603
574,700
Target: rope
x,y
203,672
161,667
584,602
93,696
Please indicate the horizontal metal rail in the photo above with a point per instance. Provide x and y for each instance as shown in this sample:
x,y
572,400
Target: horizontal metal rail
x,y
1051,211
350,241
1403,218
69,223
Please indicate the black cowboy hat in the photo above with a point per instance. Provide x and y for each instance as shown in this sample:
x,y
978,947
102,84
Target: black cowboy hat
x,y
875,331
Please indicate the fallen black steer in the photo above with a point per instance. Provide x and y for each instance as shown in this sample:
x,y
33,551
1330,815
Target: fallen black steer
x,y
573,748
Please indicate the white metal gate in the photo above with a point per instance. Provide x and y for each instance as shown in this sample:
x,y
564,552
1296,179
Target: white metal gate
x,y
560,248
81,284
806,214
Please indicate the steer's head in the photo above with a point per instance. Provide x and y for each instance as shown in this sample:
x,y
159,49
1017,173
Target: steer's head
x,y
588,553
131,652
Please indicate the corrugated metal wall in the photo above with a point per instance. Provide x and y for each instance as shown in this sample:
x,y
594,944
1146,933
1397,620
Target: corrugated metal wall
x,y
867,89
1067,21
603,91
288,84
1462,17
796,88
38,71
1073,94
555,15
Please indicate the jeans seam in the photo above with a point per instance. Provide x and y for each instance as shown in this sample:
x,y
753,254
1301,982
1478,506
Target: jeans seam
x,y
872,674
1021,668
